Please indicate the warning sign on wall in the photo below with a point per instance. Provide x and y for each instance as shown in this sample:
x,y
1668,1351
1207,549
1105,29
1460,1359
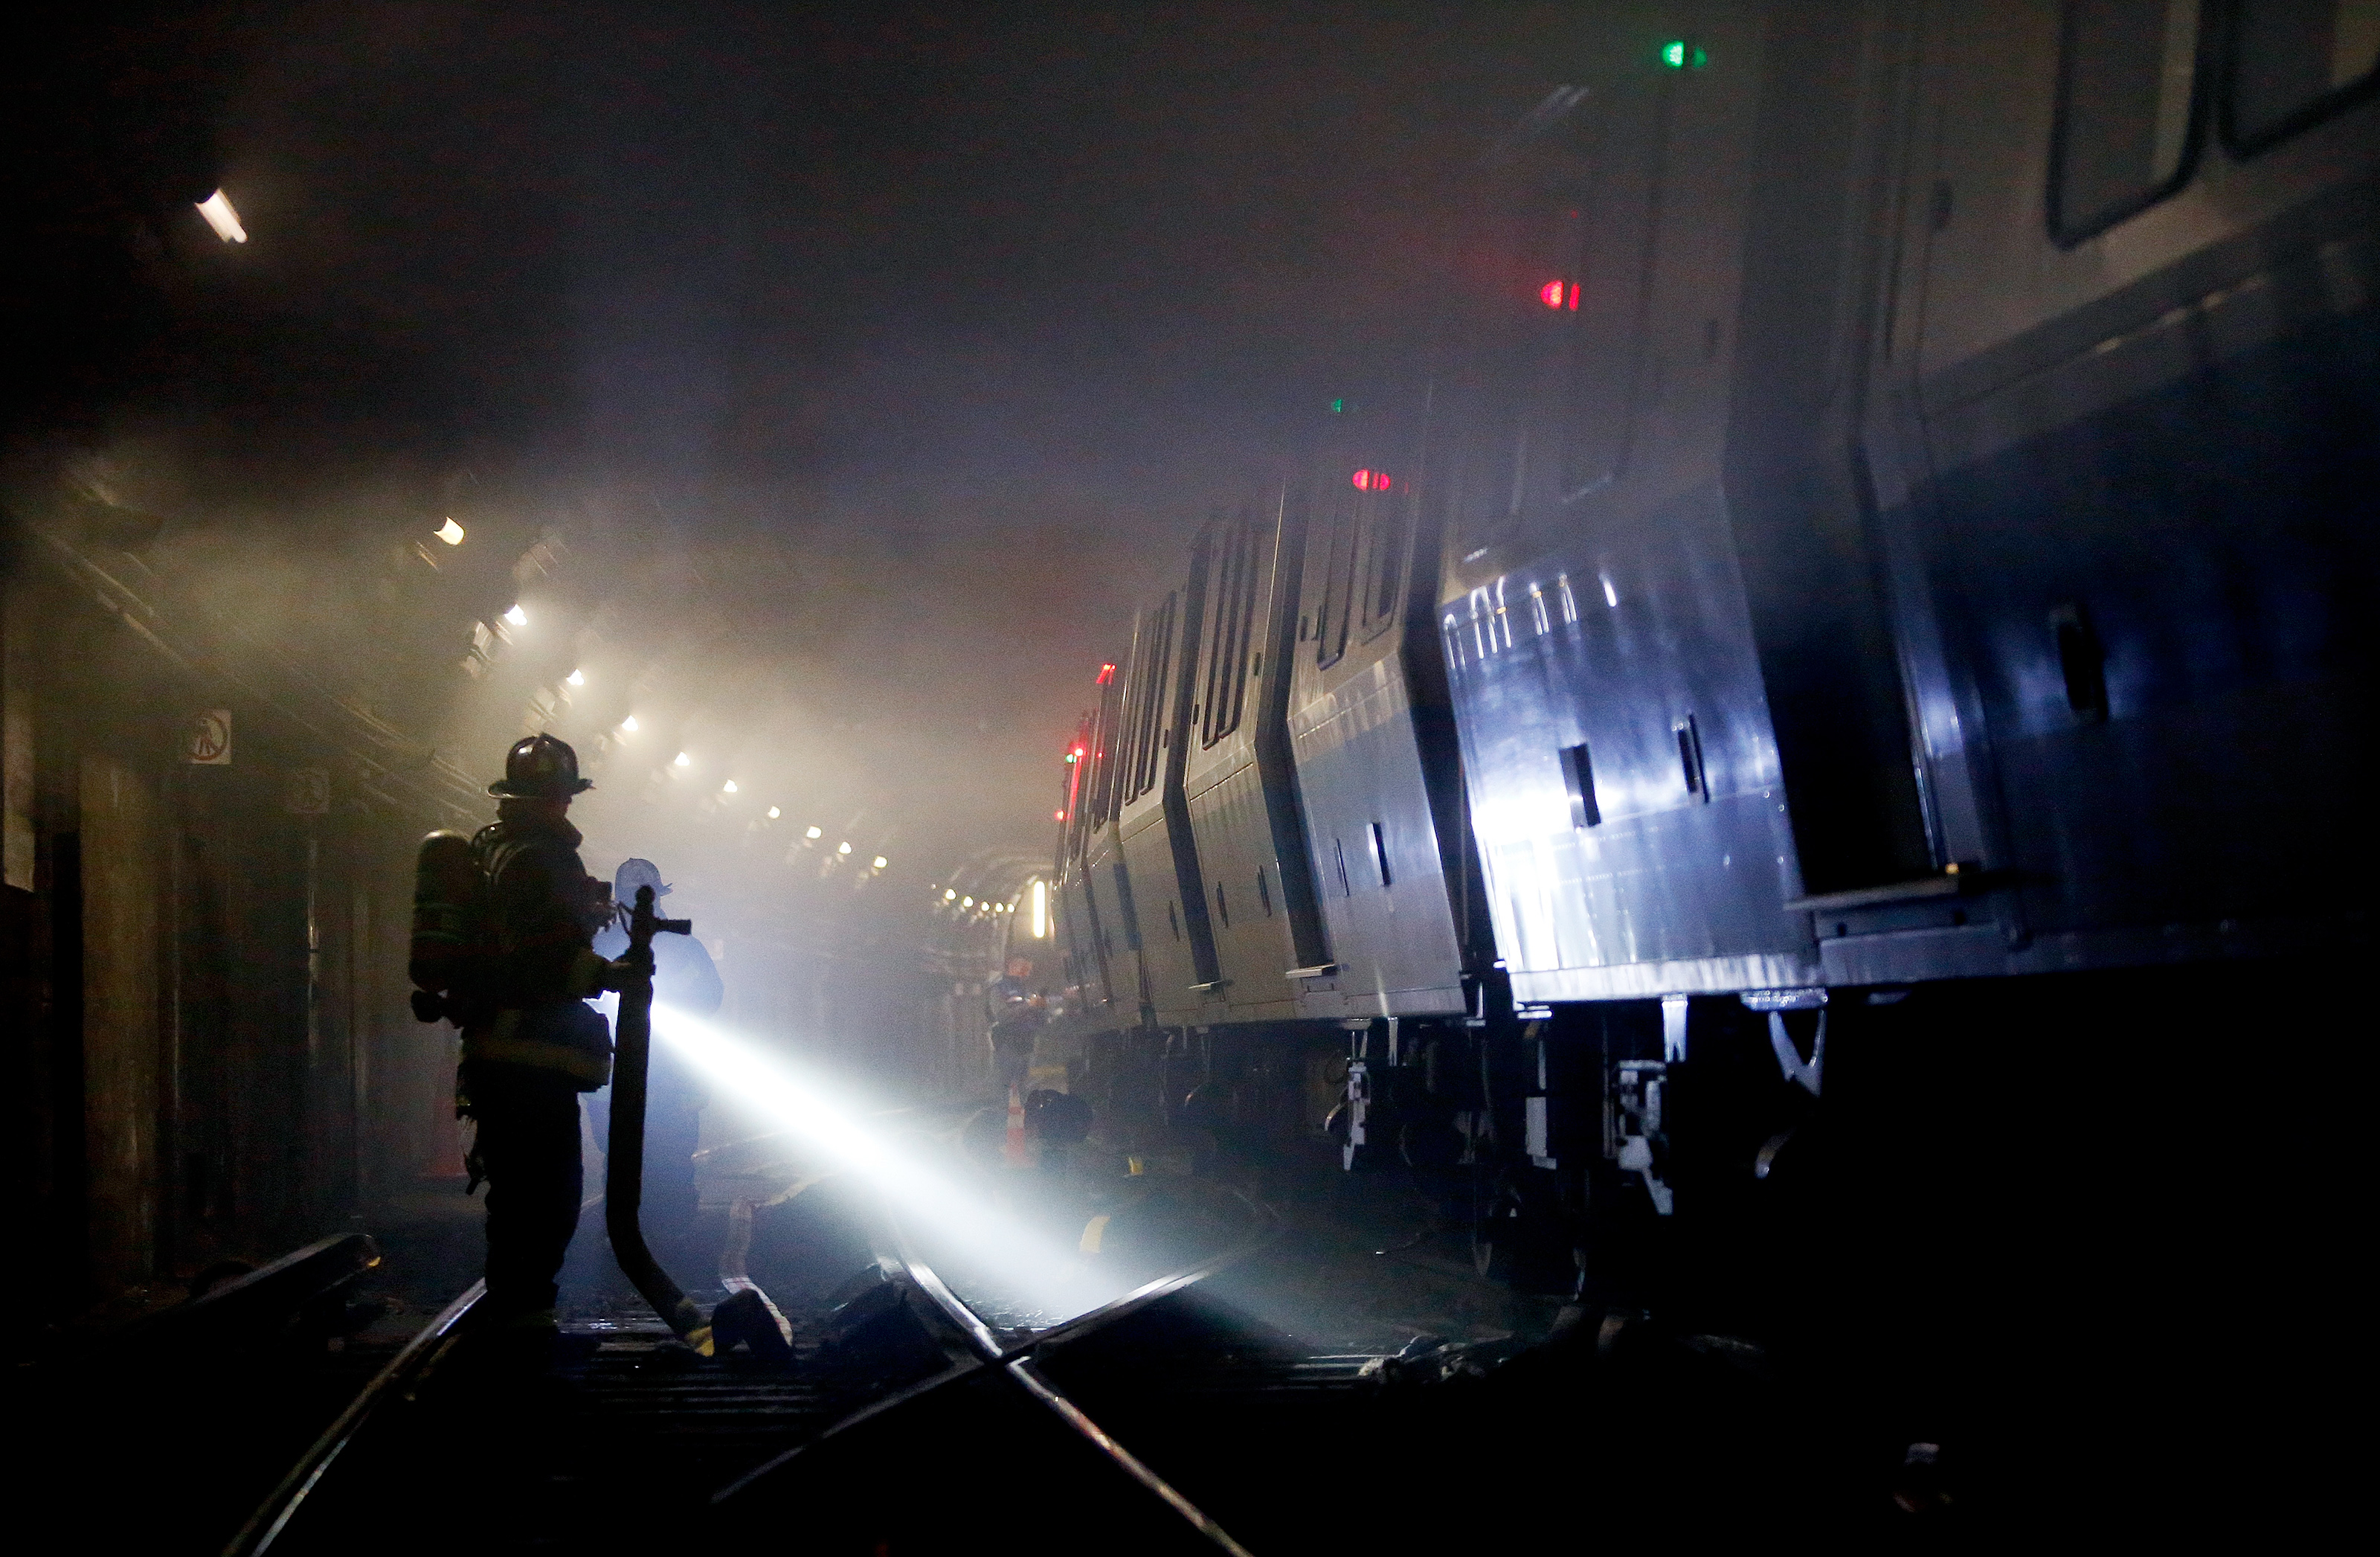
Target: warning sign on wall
x,y
310,791
209,741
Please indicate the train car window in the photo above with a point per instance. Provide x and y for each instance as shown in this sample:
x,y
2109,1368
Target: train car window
x,y
1214,643
2127,111
1101,786
1145,714
1578,777
1690,757
1244,625
1384,570
2293,62
1128,732
1226,682
1125,906
1338,584
1111,754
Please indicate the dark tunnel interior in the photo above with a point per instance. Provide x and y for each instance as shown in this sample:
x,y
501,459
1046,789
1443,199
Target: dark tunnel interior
x,y
1429,773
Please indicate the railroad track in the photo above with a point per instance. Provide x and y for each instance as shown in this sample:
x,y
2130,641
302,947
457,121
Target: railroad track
x,y
994,1388
640,1442
1173,1420
1166,1420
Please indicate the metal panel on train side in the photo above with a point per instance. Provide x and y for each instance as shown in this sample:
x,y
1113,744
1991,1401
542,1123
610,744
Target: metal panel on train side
x,y
1625,787
1166,948
1623,779
1142,867
1104,945
1371,832
1071,921
1249,902
1160,852
1375,847
1252,935
2129,523
1110,924
1079,930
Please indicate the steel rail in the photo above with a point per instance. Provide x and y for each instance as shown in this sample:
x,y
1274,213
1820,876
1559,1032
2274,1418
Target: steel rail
x,y
1041,1389
273,1516
1268,1227
1016,1360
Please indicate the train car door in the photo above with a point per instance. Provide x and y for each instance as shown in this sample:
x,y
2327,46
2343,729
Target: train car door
x,y
2139,358
1158,851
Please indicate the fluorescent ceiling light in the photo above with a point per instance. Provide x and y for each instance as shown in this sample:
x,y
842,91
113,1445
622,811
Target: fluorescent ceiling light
x,y
216,209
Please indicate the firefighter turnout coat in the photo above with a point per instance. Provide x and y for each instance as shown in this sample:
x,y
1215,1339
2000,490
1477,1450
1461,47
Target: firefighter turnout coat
x,y
542,912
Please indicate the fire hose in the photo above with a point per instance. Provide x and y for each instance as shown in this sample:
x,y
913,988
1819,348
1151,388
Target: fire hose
x,y
623,1178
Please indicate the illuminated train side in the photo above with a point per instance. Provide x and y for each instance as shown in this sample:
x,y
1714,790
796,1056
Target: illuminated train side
x,y
1874,588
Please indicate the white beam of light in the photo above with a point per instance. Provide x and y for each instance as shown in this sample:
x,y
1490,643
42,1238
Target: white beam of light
x,y
948,1221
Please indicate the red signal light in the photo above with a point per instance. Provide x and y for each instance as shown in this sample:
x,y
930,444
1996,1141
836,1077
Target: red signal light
x,y
1057,816
1371,481
1559,294
1107,674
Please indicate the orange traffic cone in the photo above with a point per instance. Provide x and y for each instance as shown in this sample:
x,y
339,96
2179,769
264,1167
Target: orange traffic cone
x,y
1013,1149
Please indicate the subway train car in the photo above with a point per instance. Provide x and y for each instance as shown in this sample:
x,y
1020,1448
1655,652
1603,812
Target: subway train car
x,y
1807,766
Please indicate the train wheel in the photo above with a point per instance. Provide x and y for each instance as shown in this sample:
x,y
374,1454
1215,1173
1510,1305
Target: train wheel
x,y
1495,1224
1520,1239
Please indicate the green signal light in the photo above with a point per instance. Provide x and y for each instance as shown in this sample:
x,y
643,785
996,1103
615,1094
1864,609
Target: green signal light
x,y
1680,55
1337,408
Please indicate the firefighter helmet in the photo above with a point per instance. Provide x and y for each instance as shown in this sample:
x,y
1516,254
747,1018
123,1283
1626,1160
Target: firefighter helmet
x,y
542,766
635,873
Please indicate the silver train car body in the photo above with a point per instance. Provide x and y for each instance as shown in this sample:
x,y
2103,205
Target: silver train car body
x,y
1878,564
1263,836
1911,543
1831,744
1929,539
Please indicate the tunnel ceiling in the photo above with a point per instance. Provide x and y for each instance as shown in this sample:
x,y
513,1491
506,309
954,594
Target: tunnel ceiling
x,y
823,386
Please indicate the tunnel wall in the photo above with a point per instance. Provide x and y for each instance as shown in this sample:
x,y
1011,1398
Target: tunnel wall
x,y
209,1050
120,1029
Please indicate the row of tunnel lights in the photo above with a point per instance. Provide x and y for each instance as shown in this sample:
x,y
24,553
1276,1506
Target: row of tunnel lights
x,y
453,533
1038,891
685,760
